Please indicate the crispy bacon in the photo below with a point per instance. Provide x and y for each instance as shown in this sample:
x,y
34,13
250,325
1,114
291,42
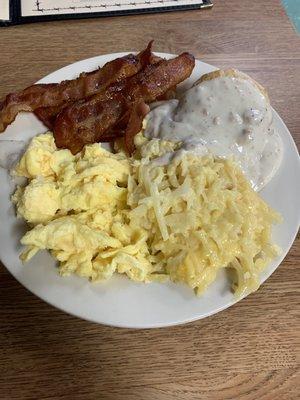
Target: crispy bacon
x,y
56,95
128,129
170,94
87,121
112,135
48,114
138,112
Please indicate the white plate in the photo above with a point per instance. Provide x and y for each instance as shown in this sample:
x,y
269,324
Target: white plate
x,y
120,302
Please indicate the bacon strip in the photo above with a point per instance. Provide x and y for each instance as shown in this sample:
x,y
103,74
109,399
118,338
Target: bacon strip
x,y
87,121
112,135
56,95
135,124
48,114
129,126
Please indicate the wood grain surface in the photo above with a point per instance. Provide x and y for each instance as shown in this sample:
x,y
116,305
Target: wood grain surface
x,y
247,352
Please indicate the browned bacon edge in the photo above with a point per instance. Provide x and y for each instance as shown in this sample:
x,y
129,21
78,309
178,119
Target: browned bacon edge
x,y
48,114
56,95
87,121
138,112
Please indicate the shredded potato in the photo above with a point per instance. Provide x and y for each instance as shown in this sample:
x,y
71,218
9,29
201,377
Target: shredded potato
x,y
202,215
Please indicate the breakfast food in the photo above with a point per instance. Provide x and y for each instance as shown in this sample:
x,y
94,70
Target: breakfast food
x,y
226,113
100,213
85,122
177,200
101,105
47,100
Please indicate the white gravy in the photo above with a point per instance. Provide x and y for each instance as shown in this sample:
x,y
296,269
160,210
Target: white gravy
x,y
225,116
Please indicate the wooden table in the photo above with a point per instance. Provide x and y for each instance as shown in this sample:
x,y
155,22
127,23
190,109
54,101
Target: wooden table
x,y
246,352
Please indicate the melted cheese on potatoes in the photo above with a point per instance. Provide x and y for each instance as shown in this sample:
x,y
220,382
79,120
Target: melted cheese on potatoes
x,y
100,213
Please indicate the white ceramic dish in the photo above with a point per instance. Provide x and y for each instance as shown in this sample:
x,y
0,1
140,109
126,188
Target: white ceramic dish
x,y
120,302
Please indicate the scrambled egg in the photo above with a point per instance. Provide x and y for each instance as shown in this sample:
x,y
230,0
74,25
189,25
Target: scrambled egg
x,y
72,202
100,213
